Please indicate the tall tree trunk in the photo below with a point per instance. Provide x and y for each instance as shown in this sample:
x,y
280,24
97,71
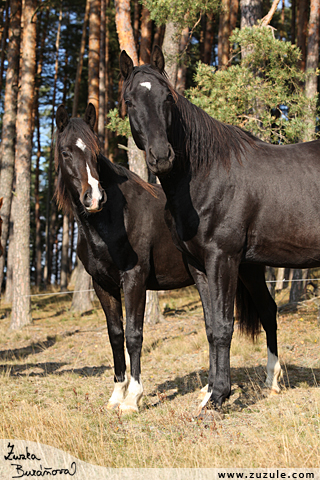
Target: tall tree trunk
x,y
159,36
107,82
311,67
208,39
170,47
21,306
94,54
224,34
38,243
251,12
64,253
81,301
182,69
136,16
10,257
302,27
146,34
293,21
80,61
234,9
9,125
3,43
102,77
124,29
48,265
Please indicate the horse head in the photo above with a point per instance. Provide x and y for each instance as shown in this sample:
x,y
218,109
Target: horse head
x,y
77,151
150,100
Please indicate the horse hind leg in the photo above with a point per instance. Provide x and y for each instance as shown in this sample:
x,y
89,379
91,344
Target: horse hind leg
x,y
253,279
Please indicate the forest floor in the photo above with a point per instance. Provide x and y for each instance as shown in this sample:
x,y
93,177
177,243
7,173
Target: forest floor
x,y
56,377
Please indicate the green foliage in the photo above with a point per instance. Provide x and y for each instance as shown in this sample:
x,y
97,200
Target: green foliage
x,y
250,92
117,124
182,12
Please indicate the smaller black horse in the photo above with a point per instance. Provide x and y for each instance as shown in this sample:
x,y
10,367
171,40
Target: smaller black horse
x,y
123,241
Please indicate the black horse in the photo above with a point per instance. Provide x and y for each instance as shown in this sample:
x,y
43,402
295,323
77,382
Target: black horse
x,y
123,241
237,204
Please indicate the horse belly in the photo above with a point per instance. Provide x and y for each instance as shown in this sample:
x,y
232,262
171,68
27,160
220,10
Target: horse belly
x,y
285,243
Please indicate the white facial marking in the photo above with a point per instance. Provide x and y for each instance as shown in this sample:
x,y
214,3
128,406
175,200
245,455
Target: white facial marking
x,y
81,144
274,372
94,184
146,84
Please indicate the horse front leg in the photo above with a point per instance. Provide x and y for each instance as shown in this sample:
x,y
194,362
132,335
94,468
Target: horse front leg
x,y
253,277
222,274
135,298
111,304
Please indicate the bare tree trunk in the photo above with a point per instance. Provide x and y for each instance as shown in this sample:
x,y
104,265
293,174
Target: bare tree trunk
x,y
224,34
146,33
80,62
136,16
102,77
10,257
251,12
48,265
9,125
296,286
182,69
280,279
81,301
311,67
107,82
293,21
208,39
94,54
302,27
170,47
234,8
3,43
21,306
124,29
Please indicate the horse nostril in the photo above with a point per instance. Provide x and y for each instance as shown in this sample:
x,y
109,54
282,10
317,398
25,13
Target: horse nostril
x,y
152,157
87,199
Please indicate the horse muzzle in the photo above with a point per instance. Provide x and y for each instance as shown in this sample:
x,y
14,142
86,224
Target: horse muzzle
x,y
94,204
160,163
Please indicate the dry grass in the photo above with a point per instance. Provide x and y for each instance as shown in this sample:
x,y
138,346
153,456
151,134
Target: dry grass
x,y
56,376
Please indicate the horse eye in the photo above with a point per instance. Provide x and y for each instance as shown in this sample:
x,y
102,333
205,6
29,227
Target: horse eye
x,y
64,154
128,103
170,97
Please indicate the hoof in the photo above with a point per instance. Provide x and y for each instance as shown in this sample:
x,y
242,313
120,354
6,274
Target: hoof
x,y
203,393
112,405
210,415
127,409
274,391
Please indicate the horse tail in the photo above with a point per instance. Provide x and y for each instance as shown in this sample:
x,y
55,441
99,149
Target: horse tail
x,y
246,312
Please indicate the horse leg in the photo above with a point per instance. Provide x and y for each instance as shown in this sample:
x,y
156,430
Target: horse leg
x,y
135,299
201,281
222,274
253,278
111,304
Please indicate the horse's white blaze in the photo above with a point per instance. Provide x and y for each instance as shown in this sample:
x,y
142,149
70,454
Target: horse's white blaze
x,y
119,393
81,144
274,372
146,84
94,184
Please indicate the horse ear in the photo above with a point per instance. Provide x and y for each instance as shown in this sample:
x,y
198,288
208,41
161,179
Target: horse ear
x,y
126,65
62,118
157,59
90,116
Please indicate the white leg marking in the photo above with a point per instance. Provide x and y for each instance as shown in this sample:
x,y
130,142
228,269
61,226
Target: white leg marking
x,y
274,372
81,144
132,400
118,394
96,194
146,84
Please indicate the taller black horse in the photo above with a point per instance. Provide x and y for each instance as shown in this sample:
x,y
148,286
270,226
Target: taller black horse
x,y
123,241
236,203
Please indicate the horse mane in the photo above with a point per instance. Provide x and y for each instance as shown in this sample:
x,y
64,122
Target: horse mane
x,y
195,134
91,141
